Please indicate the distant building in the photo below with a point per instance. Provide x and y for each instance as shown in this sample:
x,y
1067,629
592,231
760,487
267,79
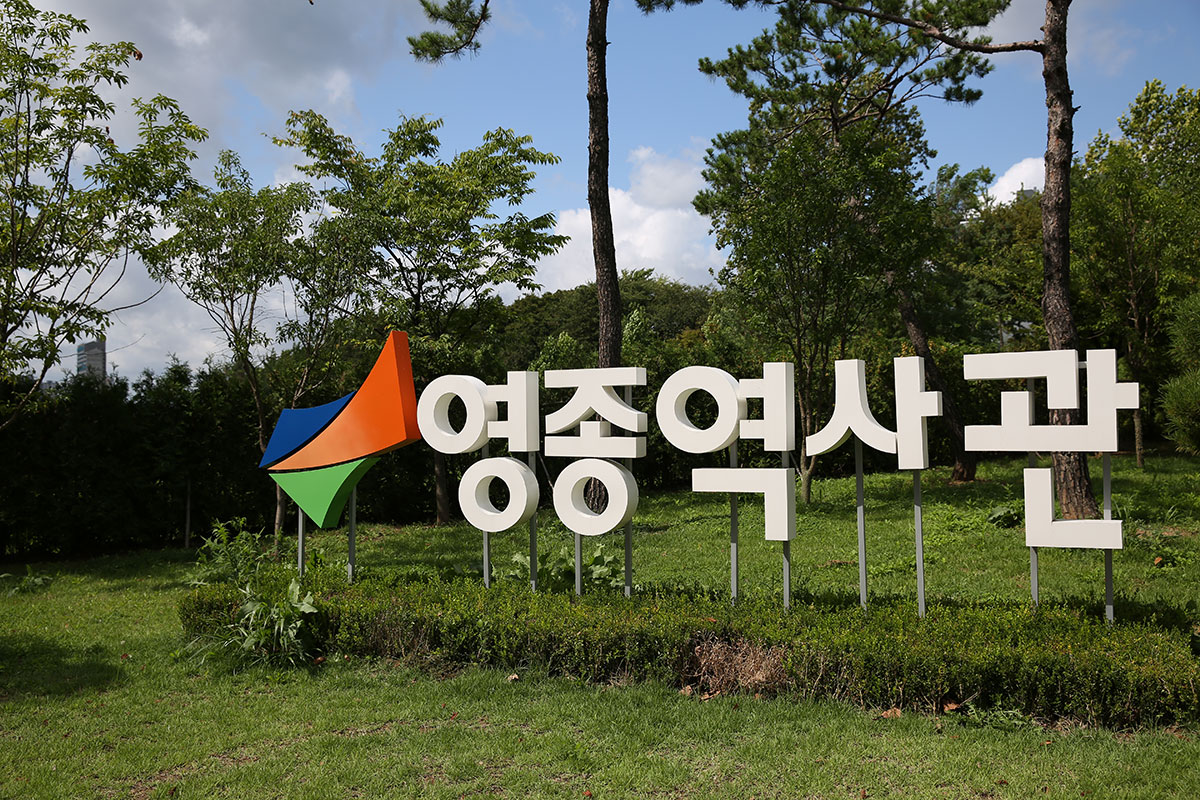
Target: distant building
x,y
90,359
1024,193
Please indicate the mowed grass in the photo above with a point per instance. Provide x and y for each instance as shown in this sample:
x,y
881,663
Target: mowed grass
x,y
94,704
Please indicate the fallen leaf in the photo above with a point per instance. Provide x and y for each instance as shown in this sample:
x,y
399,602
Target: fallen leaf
x,y
513,677
892,713
1157,560
950,707
687,691
455,714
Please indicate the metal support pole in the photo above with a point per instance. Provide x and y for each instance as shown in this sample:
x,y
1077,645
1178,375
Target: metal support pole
x,y
533,551
862,526
629,524
1031,462
300,540
487,540
353,533
733,529
787,552
920,540
1033,574
1109,613
578,564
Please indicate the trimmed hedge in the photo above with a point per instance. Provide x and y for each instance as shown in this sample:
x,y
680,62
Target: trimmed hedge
x,y
1049,663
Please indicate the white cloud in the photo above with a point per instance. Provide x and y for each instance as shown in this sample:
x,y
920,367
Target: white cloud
x,y
662,182
185,34
1028,173
654,225
1097,39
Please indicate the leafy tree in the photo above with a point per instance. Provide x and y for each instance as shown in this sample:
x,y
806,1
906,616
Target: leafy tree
x,y
998,251
812,225
438,245
1134,229
945,26
823,72
1181,395
234,248
75,205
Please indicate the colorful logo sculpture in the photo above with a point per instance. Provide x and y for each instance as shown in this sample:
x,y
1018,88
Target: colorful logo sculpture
x,y
318,455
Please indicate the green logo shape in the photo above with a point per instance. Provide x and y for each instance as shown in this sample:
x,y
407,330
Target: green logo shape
x,y
322,493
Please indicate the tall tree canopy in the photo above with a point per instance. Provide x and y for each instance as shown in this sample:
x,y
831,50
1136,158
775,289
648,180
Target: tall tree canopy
x,y
812,226
75,204
950,27
1134,232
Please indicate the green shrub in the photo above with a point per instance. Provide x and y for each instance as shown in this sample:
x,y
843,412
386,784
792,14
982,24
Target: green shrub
x,y
284,630
1050,663
208,609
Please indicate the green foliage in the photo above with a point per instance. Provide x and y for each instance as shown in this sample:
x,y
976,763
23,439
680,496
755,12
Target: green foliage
x,y
69,220
1048,663
1181,404
556,571
464,20
1133,220
233,554
280,631
439,246
27,583
1005,517
1181,395
206,610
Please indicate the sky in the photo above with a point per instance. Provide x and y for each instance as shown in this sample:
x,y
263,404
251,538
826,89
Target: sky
x,y
237,67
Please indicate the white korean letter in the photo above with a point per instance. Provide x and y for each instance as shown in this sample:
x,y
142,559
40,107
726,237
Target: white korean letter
x,y
777,485
851,413
1016,431
777,388
1043,530
914,406
595,394
571,507
520,396
477,507
433,414
671,409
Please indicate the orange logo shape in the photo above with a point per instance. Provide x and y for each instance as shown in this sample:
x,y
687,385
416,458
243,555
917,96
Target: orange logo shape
x,y
380,417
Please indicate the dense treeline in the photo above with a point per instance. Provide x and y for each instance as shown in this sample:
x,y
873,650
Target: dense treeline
x,y
109,465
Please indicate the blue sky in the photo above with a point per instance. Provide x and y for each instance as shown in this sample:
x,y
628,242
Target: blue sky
x,y
238,66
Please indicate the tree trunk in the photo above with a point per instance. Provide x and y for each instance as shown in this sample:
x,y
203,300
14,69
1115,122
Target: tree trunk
x,y
603,250
1075,496
280,508
964,461
807,466
441,481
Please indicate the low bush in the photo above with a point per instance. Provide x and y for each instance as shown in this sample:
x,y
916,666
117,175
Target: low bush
x,y
1053,662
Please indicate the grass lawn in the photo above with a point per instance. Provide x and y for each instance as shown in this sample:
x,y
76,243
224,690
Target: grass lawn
x,y
93,703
